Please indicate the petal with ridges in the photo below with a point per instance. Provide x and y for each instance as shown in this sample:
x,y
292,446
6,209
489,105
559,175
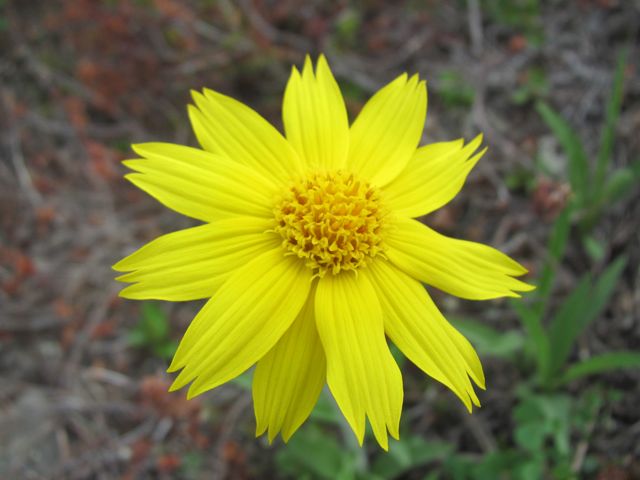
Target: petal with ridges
x,y
193,263
419,330
361,372
242,322
433,177
228,127
288,380
199,184
315,117
387,131
462,268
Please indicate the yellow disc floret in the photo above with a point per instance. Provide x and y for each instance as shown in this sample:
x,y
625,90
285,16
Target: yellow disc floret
x,y
333,221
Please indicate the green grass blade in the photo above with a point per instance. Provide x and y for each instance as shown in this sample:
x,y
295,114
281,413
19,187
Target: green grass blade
x,y
556,248
566,324
583,306
537,336
611,120
602,363
572,145
620,184
603,290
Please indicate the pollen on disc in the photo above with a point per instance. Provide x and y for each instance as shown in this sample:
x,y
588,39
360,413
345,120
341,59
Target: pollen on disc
x,y
333,221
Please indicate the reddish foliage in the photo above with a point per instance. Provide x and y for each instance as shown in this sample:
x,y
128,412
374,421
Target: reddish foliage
x,y
62,309
103,329
154,393
168,463
517,43
140,450
550,198
233,453
20,266
103,159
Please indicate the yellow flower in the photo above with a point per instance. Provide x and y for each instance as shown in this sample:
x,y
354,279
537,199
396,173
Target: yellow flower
x,y
310,253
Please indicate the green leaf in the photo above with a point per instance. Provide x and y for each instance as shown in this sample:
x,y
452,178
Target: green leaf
x,y
499,465
536,336
572,145
398,356
136,338
155,322
556,248
605,362
408,453
603,290
594,248
611,120
531,436
326,410
166,350
619,185
244,380
312,453
582,307
566,324
489,341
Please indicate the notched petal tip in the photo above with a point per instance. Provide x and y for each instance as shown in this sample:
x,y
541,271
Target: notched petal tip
x,y
400,79
384,444
175,387
414,81
194,391
307,68
129,292
131,163
134,178
121,266
145,149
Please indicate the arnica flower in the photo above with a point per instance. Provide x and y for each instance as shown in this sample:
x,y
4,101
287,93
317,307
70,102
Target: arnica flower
x,y
310,254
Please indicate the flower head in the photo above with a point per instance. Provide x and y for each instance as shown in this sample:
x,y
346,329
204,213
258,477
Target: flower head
x,y
309,252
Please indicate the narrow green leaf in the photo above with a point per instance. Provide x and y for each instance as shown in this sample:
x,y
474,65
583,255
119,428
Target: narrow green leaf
x,y
583,306
572,145
602,363
136,338
594,248
611,120
620,184
566,324
155,321
602,291
537,337
489,341
556,248
244,380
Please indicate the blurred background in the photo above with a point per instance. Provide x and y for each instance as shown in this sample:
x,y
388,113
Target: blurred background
x,y
553,85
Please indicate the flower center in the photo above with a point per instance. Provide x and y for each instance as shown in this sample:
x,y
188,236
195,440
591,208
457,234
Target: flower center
x,y
331,220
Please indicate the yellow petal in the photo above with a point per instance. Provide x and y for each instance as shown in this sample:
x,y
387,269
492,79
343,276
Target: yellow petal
x,y
288,380
315,117
199,184
417,327
193,263
361,373
242,322
228,127
387,132
462,268
433,177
